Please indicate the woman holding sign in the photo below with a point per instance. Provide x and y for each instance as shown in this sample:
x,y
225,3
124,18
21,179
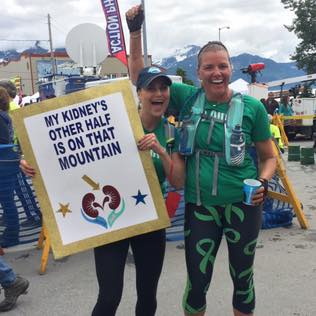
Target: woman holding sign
x,y
148,249
218,126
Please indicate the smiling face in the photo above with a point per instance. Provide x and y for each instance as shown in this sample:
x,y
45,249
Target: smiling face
x,y
154,98
215,71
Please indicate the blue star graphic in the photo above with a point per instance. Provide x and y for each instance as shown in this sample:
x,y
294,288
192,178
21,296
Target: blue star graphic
x,y
139,197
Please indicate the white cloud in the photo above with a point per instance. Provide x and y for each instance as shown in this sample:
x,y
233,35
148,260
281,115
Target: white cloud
x,y
256,26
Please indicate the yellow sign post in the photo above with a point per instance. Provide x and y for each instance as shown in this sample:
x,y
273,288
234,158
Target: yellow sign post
x,y
291,196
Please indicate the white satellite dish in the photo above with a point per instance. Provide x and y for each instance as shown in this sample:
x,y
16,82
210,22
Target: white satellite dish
x,y
86,44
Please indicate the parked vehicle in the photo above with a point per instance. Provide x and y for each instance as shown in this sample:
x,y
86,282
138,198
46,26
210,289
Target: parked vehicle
x,y
301,106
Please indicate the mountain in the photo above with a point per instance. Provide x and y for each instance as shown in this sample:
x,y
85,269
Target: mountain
x,y
13,54
187,60
10,54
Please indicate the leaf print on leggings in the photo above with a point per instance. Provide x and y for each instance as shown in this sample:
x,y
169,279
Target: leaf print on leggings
x,y
206,287
232,239
232,271
213,216
185,303
246,272
250,248
250,293
206,253
229,209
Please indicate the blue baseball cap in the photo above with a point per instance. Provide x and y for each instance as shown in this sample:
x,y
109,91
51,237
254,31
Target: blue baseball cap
x,y
148,74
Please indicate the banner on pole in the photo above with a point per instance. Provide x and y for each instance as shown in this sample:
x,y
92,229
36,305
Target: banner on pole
x,y
114,30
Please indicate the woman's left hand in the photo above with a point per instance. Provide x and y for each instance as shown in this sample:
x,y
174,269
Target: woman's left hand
x,y
27,169
258,197
150,141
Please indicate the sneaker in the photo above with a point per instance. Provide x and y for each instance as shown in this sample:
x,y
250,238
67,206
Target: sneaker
x,y
12,292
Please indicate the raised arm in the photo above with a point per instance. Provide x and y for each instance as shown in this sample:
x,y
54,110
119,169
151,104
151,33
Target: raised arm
x,y
134,19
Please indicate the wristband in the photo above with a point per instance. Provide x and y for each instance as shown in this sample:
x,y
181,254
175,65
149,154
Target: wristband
x,y
265,184
135,24
135,36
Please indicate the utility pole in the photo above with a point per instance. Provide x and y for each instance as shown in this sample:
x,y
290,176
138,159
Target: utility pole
x,y
51,46
145,37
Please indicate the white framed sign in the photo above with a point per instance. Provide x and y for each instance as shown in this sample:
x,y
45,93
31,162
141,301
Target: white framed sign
x,y
93,185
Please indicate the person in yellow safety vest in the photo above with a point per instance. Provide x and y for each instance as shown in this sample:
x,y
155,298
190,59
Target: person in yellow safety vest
x,y
275,131
11,89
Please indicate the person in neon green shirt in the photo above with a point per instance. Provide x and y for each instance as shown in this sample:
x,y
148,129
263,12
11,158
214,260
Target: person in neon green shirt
x,y
275,132
208,217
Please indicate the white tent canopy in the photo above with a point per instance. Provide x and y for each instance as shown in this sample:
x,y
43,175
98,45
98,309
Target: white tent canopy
x,y
240,85
30,99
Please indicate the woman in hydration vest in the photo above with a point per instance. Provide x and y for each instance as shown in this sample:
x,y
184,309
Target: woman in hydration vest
x,y
214,182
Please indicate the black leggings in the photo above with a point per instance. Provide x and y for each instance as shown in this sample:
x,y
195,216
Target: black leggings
x,y
148,250
204,228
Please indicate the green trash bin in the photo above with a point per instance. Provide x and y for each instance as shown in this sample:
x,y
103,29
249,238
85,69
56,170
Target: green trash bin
x,y
307,156
294,153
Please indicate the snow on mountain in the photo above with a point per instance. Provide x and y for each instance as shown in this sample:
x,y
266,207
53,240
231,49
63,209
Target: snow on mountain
x,y
186,58
179,55
187,51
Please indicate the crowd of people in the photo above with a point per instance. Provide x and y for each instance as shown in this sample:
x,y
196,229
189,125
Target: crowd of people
x,y
272,106
210,157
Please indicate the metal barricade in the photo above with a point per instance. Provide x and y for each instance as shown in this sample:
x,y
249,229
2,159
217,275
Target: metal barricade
x,y
20,217
175,232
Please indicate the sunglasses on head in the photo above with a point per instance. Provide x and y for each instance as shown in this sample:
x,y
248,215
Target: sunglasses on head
x,y
211,43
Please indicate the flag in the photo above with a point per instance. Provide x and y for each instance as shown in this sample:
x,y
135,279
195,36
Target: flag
x,y
172,202
114,30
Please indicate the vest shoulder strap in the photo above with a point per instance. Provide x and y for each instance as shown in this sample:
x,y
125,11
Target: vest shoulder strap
x,y
170,135
236,111
190,103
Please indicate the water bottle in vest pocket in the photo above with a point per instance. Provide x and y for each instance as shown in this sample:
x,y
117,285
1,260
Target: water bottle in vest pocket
x,y
237,146
187,137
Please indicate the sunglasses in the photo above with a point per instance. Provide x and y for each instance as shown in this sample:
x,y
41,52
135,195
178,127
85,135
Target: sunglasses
x,y
210,44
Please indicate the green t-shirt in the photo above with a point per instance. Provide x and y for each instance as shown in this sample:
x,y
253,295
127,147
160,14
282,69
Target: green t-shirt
x,y
255,126
160,133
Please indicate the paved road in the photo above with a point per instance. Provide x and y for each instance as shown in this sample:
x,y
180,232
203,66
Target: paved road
x,y
285,274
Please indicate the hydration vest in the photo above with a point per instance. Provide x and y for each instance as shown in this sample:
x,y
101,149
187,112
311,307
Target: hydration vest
x,y
170,135
233,153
